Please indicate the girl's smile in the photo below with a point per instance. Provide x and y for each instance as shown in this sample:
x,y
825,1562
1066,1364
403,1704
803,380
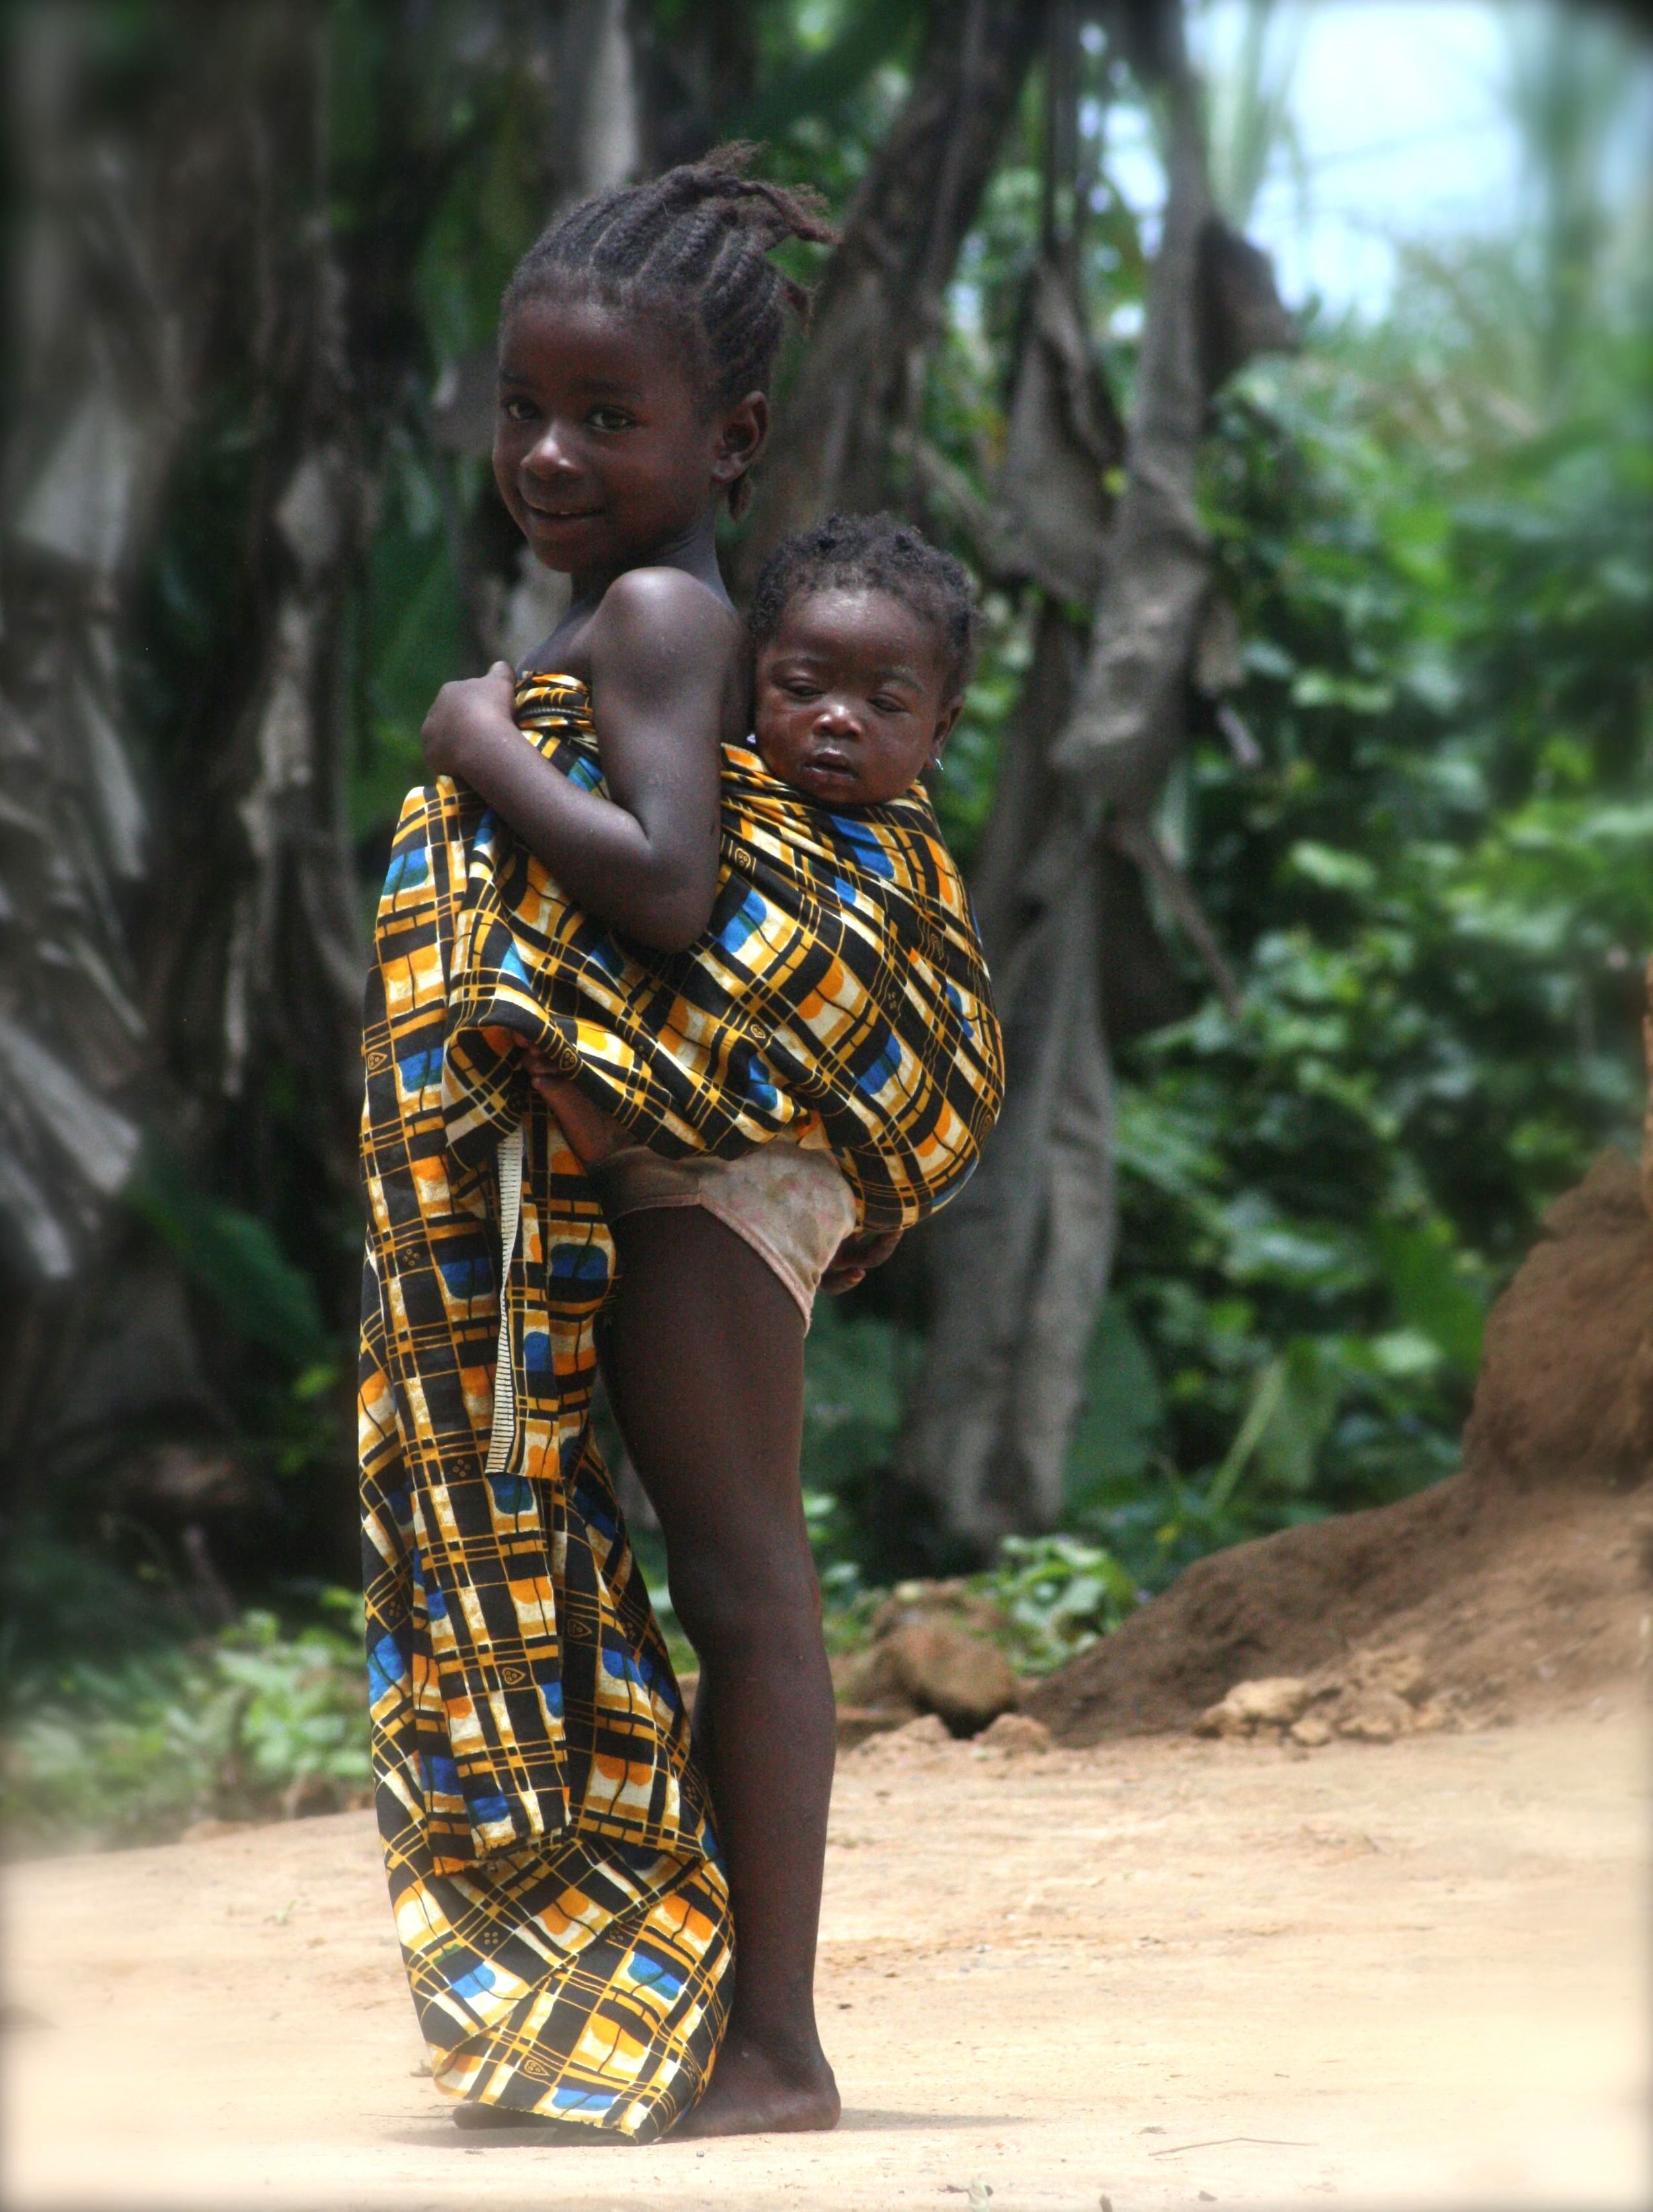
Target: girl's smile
x,y
606,450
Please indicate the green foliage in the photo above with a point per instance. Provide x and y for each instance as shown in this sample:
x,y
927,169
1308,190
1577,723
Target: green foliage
x,y
233,1258
963,789
858,1368
814,86
255,1721
415,634
1058,1593
1438,886
64,1604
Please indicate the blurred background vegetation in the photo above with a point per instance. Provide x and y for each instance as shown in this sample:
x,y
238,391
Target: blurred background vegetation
x,y
1412,806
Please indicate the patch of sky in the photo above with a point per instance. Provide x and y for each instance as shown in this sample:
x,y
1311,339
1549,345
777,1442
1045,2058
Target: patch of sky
x,y
1395,129
1398,130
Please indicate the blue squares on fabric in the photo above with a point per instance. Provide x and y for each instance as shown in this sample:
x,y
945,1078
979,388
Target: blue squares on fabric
x,y
578,1263
759,1089
512,1494
865,844
419,1070
747,919
409,871
386,1666
871,1079
465,1279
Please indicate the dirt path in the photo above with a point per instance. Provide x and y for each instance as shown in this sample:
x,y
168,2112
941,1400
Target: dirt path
x,y
1403,1975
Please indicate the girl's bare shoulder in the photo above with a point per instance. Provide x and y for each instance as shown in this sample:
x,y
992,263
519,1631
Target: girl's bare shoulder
x,y
663,601
661,627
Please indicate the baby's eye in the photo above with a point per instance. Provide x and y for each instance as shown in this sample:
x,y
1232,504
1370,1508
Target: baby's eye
x,y
517,411
886,705
799,690
609,418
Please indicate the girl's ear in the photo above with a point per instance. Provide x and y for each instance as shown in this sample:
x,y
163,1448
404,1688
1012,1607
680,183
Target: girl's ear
x,y
742,435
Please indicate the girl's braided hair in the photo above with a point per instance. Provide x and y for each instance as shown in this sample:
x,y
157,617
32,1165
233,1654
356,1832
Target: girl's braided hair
x,y
693,243
872,553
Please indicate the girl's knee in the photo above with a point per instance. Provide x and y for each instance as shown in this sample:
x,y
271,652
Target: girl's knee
x,y
724,1601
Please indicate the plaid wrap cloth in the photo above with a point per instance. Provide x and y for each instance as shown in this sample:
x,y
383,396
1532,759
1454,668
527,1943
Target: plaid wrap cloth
x,y
553,1868
839,981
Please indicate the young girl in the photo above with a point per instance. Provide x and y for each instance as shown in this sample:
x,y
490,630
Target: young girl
x,y
559,1896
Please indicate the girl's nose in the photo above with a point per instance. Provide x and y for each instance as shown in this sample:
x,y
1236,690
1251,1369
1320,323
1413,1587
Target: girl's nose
x,y
549,455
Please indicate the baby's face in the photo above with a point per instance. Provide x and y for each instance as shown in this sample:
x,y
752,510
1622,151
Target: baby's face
x,y
851,697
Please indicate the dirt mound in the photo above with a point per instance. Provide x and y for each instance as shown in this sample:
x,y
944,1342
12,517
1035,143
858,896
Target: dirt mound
x,y
1523,1584
1565,1391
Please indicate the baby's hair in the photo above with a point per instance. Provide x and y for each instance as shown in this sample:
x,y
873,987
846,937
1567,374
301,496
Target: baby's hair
x,y
693,244
872,553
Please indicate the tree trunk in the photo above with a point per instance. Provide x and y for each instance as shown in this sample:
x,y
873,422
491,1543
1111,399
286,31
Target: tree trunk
x,y
91,432
214,1003
1020,1262
615,100
209,356
860,383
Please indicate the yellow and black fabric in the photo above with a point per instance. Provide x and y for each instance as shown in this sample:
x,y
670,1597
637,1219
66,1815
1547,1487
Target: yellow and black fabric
x,y
563,1915
553,1866
839,981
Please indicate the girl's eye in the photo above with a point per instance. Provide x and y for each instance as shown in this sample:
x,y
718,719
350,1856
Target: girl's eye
x,y
517,411
609,418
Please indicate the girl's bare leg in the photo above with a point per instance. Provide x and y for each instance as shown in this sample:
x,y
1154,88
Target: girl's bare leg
x,y
703,1355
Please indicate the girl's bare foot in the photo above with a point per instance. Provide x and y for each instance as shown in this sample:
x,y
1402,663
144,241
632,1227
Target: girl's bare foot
x,y
752,2094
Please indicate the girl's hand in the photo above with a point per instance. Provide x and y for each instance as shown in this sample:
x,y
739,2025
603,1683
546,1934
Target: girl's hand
x,y
469,715
853,1257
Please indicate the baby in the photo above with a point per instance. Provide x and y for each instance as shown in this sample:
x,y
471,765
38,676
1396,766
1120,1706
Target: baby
x,y
863,634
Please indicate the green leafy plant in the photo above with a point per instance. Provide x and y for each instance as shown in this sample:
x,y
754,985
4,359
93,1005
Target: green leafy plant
x,y
253,1724
1058,1593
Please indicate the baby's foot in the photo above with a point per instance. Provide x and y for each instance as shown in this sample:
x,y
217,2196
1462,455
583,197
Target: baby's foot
x,y
752,2095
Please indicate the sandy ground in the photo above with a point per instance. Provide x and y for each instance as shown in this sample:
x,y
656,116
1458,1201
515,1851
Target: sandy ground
x,y
1162,1972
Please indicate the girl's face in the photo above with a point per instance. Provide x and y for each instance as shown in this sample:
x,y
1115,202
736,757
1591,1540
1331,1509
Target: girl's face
x,y
605,451
852,698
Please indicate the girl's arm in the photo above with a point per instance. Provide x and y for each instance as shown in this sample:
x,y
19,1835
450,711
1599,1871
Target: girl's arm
x,y
660,651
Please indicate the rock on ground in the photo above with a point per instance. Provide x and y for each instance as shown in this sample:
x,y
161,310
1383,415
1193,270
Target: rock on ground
x,y
930,1652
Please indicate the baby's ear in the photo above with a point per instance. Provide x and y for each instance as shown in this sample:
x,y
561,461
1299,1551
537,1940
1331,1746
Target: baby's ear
x,y
946,722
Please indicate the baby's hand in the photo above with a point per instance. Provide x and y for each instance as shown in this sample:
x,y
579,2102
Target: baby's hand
x,y
854,1256
467,713
592,1133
